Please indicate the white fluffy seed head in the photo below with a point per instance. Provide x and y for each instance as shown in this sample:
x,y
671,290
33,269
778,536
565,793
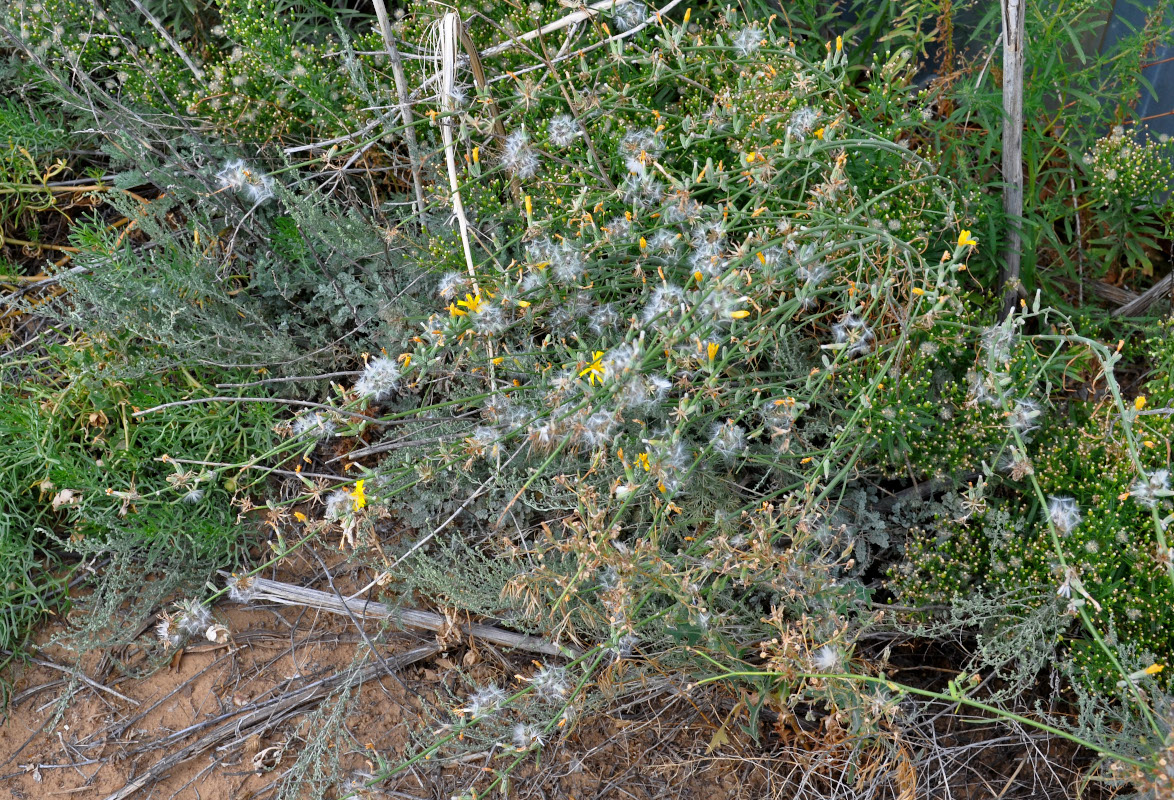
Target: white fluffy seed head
x,y
1149,489
192,617
250,182
855,334
1064,513
379,379
241,589
728,440
551,684
518,157
314,425
629,16
563,130
1023,416
451,285
826,659
527,736
168,631
484,702
802,122
748,40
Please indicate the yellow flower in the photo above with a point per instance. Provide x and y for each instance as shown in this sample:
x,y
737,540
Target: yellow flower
x,y
711,348
359,495
405,359
917,290
964,239
1154,669
454,311
740,314
300,517
839,43
643,243
529,206
688,13
1139,402
470,302
476,155
595,368
642,460
819,133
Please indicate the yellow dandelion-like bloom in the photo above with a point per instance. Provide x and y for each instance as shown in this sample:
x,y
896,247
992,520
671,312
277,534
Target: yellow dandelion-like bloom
x,y
594,369
964,239
359,495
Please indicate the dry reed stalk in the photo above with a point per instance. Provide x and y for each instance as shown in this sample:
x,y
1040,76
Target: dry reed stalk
x,y
289,594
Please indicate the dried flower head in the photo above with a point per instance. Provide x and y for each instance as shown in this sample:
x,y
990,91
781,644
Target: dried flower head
x,y
250,182
168,631
192,617
1149,489
241,588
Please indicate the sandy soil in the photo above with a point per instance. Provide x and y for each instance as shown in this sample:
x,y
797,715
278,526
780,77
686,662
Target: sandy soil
x,y
111,736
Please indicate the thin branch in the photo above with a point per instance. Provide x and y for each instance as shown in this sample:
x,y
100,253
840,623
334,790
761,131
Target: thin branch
x,y
405,110
281,400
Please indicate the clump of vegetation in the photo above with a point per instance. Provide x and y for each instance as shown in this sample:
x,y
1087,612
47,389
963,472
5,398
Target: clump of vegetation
x,y
671,334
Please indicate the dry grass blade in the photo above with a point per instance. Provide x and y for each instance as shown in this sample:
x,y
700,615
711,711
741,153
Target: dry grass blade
x,y
450,34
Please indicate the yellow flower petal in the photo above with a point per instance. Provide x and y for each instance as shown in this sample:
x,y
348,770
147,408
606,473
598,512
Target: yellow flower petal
x,y
1139,402
965,239
740,314
359,495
